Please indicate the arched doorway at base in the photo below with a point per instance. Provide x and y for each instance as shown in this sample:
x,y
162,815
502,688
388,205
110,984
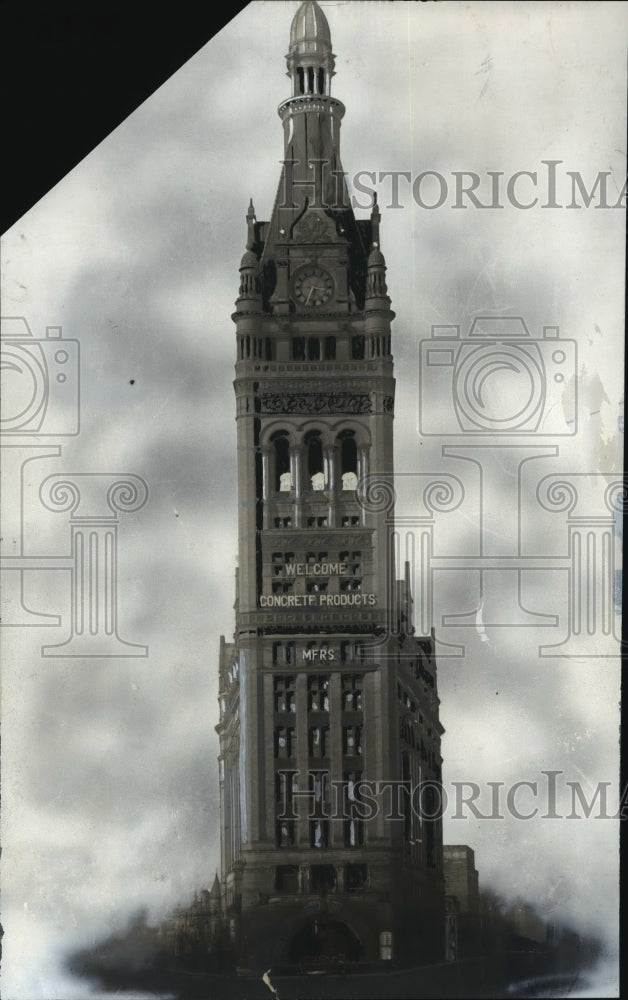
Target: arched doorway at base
x,y
325,941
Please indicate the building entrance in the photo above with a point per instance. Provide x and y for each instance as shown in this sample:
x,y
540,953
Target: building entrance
x,y
323,942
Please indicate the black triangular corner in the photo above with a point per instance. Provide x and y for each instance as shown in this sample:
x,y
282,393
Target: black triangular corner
x,y
75,71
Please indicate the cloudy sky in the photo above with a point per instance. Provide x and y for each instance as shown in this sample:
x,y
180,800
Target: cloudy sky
x,y
109,765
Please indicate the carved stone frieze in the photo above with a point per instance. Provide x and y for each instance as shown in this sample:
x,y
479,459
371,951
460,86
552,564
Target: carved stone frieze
x,y
318,628
310,402
306,537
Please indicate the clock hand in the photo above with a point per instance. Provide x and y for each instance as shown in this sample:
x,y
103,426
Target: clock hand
x,y
314,288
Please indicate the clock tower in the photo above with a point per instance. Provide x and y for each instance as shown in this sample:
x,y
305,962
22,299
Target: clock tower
x,y
329,731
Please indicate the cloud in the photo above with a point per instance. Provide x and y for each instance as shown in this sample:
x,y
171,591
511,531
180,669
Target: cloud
x,y
109,766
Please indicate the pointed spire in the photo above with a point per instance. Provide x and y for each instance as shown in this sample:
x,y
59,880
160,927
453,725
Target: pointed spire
x,y
376,277
214,892
250,223
376,216
376,274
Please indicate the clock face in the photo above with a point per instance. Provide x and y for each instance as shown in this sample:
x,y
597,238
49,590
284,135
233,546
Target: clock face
x,y
313,286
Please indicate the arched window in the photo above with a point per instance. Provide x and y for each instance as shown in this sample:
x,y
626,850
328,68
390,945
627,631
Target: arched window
x,y
315,467
282,478
357,348
321,81
348,460
301,80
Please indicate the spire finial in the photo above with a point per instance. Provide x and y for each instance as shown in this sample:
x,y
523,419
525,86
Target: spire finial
x,y
309,25
310,59
250,225
376,216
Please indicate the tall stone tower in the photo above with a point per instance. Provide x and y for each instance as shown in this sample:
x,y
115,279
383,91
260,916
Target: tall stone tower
x,y
329,729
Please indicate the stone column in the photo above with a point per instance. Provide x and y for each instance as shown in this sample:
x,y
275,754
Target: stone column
x,y
296,468
335,755
302,759
266,490
330,476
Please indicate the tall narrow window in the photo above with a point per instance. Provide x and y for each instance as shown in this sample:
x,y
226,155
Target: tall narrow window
x,y
285,694
283,481
354,832
352,692
319,833
313,348
357,348
356,876
315,466
348,460
351,779
319,791
287,878
318,693
321,81
286,833
318,738
284,740
352,741
285,786
322,877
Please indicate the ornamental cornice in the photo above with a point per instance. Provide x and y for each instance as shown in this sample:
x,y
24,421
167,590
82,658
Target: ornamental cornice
x,y
348,382
331,537
303,103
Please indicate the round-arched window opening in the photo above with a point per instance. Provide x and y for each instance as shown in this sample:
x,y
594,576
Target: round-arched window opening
x,y
282,476
348,460
315,464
